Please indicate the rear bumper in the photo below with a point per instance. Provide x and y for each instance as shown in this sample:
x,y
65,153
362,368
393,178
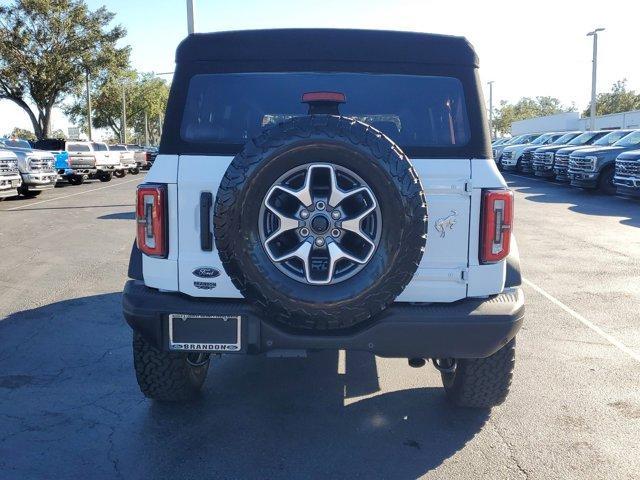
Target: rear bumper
x,y
471,328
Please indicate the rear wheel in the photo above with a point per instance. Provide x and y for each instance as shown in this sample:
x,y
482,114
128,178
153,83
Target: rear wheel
x,y
605,181
479,382
105,176
76,179
134,171
168,376
120,173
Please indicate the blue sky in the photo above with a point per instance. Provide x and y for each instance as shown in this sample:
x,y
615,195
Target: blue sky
x,y
527,48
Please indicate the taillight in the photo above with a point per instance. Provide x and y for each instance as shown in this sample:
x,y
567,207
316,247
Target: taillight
x,y
497,223
151,219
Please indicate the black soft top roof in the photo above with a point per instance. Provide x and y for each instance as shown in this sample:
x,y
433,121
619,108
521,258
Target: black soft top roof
x,y
328,44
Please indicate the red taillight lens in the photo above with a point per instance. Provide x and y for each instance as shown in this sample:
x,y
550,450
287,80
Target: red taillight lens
x,y
151,219
324,97
497,223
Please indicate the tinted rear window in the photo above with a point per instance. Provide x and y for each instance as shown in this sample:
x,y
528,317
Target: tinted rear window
x,y
78,147
414,111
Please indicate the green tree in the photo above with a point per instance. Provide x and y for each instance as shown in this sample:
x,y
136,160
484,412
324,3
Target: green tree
x,y
619,99
22,133
526,107
59,133
46,48
144,93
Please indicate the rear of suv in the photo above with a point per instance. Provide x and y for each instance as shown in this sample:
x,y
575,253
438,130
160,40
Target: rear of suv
x,y
325,189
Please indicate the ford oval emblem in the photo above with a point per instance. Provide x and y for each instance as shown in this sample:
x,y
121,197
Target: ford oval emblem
x,y
206,272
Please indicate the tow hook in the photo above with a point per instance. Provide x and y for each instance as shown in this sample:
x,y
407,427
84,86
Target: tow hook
x,y
445,365
417,362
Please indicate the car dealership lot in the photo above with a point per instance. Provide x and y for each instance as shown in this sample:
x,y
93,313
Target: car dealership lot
x,y
70,406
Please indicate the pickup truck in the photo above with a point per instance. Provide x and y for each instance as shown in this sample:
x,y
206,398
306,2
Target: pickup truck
x,y
36,167
542,162
594,168
126,159
140,156
627,174
82,162
561,163
498,150
519,158
10,179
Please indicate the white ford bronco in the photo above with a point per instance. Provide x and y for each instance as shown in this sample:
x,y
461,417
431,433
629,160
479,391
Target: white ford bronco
x,y
325,189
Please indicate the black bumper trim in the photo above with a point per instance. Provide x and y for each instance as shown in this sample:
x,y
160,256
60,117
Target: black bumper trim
x,y
470,328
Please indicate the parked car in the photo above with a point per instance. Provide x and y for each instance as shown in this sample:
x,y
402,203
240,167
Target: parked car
x,y
36,167
152,153
519,140
127,160
543,157
561,163
513,157
107,163
500,141
140,157
593,168
305,201
10,179
58,149
627,173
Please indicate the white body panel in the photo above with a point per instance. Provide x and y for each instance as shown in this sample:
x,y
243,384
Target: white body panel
x,y
449,269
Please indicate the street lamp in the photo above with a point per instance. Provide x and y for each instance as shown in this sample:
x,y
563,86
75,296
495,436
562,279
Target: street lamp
x,y
190,16
594,34
491,109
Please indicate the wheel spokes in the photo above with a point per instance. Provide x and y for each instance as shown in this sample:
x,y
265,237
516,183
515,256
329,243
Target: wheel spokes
x,y
285,224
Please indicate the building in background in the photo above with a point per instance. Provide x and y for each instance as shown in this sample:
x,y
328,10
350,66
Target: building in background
x,y
572,121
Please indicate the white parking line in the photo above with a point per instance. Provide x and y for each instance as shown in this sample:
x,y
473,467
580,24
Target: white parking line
x,y
612,340
72,195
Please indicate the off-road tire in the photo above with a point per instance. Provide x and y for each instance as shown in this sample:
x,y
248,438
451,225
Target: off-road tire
x,y
166,376
134,171
605,181
25,192
369,154
105,176
120,173
76,179
481,382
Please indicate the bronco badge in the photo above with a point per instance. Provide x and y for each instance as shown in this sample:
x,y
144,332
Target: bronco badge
x,y
446,223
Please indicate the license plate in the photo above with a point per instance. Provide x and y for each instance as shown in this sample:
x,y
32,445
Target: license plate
x,y
15,183
205,333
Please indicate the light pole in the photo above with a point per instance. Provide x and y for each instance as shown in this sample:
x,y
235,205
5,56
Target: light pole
x,y
190,15
491,109
594,68
88,104
124,117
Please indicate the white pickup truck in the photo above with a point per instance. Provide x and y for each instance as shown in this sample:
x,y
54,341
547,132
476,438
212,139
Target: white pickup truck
x,y
36,167
10,179
126,159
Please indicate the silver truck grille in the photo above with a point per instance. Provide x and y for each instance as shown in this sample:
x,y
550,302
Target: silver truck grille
x,y
8,167
562,161
579,164
540,159
527,157
41,165
628,168
507,155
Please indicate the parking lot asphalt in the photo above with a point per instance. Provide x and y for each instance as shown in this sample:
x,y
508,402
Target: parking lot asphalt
x,y
70,406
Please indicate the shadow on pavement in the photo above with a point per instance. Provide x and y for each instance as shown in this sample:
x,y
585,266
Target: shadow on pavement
x,y
580,200
118,216
70,408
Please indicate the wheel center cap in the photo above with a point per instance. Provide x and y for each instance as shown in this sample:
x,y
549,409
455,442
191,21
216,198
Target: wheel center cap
x,y
320,224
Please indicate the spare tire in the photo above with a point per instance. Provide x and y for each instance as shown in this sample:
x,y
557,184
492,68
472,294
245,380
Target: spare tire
x,y
321,222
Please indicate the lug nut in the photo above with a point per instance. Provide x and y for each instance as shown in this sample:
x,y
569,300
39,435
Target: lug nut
x,y
319,241
304,214
320,205
335,232
335,214
304,232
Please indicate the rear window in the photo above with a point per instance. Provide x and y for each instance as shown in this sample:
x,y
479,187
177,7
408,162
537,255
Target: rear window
x,y
414,111
78,147
117,148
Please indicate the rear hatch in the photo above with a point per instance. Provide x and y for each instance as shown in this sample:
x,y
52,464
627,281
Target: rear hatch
x,y
414,111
